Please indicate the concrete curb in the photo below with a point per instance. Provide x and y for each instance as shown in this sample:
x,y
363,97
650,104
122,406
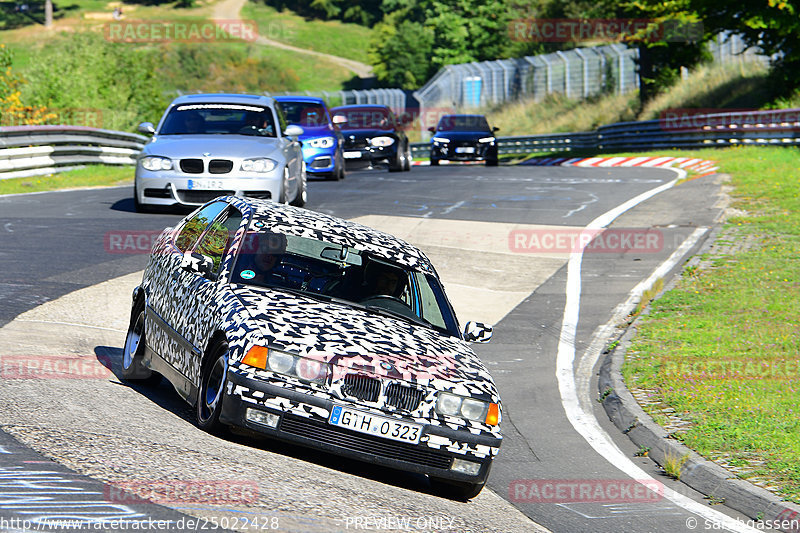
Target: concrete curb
x,y
702,475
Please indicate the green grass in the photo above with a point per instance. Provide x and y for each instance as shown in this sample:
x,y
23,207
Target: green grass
x,y
328,36
721,348
90,176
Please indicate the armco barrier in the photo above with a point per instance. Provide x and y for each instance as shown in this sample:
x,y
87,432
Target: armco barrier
x,y
37,150
780,127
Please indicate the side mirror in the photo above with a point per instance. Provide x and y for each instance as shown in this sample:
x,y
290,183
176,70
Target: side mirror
x,y
432,129
495,129
477,332
293,131
197,263
339,119
147,128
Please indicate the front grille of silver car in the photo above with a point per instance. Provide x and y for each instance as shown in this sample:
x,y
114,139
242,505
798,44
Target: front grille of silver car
x,y
403,397
192,166
362,387
220,166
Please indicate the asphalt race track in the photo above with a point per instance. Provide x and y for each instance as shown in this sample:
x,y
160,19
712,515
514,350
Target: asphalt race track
x,y
69,259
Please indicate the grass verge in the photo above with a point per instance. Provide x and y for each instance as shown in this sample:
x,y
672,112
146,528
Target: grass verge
x,y
720,350
90,176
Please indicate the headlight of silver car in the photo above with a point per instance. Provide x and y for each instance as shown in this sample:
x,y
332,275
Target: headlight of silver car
x,y
454,405
322,142
381,141
261,164
153,162
287,364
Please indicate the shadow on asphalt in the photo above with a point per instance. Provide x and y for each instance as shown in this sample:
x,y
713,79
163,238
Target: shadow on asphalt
x,y
162,394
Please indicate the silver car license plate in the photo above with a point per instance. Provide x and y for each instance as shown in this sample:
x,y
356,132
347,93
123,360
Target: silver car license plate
x,y
215,185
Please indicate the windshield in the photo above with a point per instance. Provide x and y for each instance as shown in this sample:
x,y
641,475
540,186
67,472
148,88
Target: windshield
x,y
365,118
463,123
334,272
305,114
230,119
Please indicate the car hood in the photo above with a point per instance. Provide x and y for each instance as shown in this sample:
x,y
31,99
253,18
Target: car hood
x,y
310,132
241,146
367,133
463,135
352,338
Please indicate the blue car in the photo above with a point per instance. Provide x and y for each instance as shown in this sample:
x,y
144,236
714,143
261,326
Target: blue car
x,y
322,142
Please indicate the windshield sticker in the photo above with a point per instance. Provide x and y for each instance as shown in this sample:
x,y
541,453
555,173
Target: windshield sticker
x,y
247,274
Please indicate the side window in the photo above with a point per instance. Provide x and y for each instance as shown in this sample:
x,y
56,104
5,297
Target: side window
x,y
218,238
195,226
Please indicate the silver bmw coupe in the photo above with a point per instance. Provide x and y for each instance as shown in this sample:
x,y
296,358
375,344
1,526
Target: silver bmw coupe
x,y
209,145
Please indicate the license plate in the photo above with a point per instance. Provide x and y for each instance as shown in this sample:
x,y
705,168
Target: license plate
x,y
465,150
207,184
352,155
388,428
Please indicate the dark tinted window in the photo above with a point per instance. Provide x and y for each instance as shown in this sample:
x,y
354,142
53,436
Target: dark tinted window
x,y
217,239
305,114
463,123
366,118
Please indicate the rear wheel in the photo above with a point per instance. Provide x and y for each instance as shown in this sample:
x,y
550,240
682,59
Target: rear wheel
x,y
132,354
213,377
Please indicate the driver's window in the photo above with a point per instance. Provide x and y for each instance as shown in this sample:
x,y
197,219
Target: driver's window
x,y
217,239
195,226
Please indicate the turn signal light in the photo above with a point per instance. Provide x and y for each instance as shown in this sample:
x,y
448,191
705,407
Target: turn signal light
x,y
493,416
257,357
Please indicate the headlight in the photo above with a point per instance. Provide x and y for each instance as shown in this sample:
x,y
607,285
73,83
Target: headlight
x,y
486,140
381,141
258,165
322,142
153,162
469,408
441,140
287,364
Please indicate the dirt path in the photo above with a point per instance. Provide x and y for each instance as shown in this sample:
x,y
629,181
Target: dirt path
x,y
229,10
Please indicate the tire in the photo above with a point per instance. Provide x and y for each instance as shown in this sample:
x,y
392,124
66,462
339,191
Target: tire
x,y
283,195
457,490
338,173
407,159
302,191
138,206
396,165
491,162
213,375
133,352
434,162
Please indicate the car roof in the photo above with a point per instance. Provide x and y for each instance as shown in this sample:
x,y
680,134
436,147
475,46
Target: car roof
x,y
308,99
363,106
459,115
266,215
224,98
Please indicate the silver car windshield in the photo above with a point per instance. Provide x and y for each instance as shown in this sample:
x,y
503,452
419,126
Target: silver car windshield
x,y
333,272
219,119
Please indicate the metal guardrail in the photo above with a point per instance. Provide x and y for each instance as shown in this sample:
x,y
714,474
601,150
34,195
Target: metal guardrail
x,y
757,128
37,150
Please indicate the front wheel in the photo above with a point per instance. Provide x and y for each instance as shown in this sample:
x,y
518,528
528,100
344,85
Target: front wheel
x,y
407,159
213,377
302,190
491,162
396,164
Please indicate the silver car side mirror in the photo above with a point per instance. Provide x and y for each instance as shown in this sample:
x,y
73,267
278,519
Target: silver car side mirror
x,y
147,128
293,130
477,332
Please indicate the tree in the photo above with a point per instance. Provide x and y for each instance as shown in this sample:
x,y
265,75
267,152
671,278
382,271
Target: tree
x,y
400,53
